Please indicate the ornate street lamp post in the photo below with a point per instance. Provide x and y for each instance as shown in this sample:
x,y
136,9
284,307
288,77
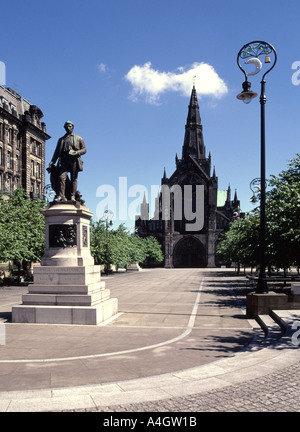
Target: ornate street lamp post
x,y
255,188
107,217
250,54
48,193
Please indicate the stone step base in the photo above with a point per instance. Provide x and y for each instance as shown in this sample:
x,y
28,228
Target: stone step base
x,y
81,315
263,304
63,261
71,275
66,289
65,299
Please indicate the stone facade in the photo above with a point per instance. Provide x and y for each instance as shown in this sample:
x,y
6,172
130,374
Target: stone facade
x,y
22,145
185,241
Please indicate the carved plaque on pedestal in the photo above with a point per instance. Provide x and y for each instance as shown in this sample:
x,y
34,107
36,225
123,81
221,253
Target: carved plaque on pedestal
x,y
84,236
62,235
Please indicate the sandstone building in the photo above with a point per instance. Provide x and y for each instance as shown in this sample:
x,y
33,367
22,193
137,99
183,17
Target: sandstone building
x,y
22,145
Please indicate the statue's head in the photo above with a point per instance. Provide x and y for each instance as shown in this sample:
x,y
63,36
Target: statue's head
x,y
69,126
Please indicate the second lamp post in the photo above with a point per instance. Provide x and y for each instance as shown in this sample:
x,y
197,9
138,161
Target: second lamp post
x,y
250,53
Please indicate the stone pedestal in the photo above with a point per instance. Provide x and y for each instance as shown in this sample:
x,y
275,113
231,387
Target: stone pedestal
x,y
295,289
263,304
67,235
67,286
134,267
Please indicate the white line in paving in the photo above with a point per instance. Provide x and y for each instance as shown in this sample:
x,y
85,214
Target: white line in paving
x,y
188,330
178,328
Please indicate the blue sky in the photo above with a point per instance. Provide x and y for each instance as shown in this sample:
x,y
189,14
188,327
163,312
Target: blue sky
x,y
71,58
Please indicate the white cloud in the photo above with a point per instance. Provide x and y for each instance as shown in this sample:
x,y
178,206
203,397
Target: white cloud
x,y
150,83
102,67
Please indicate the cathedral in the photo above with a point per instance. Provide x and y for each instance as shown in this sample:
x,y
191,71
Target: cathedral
x,y
190,212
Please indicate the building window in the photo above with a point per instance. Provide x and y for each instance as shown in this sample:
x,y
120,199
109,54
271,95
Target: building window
x,y
10,136
35,147
32,168
1,131
4,102
13,108
1,156
17,163
9,184
38,149
38,171
38,190
18,142
31,145
1,181
8,164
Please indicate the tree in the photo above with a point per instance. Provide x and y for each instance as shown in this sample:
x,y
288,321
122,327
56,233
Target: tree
x,y
120,248
101,244
283,216
153,251
22,228
128,248
240,243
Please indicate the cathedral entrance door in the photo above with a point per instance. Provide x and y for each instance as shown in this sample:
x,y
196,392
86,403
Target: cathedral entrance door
x,y
189,252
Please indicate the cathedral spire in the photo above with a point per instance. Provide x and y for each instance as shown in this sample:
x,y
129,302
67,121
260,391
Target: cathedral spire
x,y
193,140
229,194
214,174
164,179
144,209
235,199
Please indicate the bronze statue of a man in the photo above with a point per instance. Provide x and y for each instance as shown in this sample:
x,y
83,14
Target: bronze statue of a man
x,y
68,151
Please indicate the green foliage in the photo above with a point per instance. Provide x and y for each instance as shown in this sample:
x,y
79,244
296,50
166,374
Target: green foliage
x,y
22,228
153,251
240,243
120,248
283,216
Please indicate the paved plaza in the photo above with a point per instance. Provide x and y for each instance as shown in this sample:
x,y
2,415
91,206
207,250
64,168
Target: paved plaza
x,y
180,342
